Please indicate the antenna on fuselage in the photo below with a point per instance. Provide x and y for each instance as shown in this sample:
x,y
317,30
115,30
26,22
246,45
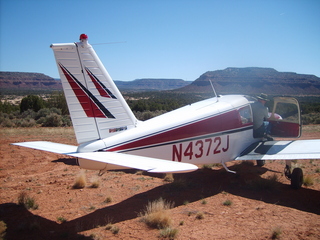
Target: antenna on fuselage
x,y
214,90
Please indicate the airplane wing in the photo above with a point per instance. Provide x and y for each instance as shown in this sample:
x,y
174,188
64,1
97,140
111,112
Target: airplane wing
x,y
284,150
148,164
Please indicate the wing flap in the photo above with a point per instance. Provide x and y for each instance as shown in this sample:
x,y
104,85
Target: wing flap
x,y
284,150
149,164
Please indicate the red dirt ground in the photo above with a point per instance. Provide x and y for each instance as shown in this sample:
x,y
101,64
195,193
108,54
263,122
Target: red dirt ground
x,y
258,205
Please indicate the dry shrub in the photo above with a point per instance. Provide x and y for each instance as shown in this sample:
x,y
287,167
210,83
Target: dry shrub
x,y
80,181
156,215
276,232
113,228
27,201
3,228
108,200
139,172
95,182
227,203
308,181
200,215
169,232
22,198
61,219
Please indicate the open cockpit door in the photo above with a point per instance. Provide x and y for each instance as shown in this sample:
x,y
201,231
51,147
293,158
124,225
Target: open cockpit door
x,y
285,120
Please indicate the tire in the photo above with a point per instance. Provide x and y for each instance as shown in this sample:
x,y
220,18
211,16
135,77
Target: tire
x,y
261,163
296,178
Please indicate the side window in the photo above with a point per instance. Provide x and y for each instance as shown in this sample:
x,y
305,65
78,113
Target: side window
x,y
245,115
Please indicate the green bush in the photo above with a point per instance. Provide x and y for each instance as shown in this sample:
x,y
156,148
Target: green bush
x,y
31,102
53,120
5,121
311,118
46,117
28,122
6,107
29,113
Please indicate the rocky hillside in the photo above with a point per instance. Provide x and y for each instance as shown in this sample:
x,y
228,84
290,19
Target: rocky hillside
x,y
255,80
251,80
39,81
28,81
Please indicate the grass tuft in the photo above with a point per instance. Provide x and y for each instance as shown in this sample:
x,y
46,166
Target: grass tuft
x,y
113,228
139,172
200,215
156,215
108,200
3,228
95,182
169,232
276,232
80,181
308,181
227,203
61,219
27,202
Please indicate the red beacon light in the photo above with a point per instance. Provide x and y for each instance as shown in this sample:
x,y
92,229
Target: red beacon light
x,y
83,37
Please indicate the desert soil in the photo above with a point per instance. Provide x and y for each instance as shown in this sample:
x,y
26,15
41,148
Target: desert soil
x,y
259,205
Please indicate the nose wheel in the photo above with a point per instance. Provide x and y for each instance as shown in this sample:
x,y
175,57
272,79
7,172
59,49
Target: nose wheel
x,y
296,176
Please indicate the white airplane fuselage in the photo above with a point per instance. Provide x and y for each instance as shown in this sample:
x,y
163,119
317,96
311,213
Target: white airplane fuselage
x,y
215,130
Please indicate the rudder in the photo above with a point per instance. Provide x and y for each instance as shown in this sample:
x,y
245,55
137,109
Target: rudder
x,y
97,108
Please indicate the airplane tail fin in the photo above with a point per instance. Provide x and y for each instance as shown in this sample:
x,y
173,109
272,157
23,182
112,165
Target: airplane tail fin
x,y
97,108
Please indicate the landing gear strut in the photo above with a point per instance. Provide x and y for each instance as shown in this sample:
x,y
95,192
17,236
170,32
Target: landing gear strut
x,y
296,176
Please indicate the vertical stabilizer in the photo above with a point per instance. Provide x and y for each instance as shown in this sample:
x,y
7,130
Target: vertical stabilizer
x,y
97,108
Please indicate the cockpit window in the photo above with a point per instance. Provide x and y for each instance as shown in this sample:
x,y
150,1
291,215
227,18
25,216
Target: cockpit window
x,y
245,115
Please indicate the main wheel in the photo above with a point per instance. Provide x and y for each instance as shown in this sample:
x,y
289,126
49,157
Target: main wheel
x,y
296,178
261,163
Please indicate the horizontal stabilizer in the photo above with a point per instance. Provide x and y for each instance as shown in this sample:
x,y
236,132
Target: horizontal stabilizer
x,y
49,147
120,159
284,150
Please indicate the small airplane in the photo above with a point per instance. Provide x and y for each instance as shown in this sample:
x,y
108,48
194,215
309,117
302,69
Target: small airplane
x,y
215,130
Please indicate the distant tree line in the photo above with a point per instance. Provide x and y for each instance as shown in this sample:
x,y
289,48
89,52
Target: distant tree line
x,y
160,101
310,111
34,110
52,110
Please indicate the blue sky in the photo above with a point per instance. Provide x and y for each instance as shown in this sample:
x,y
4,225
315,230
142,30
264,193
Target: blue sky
x,y
164,38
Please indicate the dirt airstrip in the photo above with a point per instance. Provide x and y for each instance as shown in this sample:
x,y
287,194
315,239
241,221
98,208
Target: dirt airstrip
x,y
257,203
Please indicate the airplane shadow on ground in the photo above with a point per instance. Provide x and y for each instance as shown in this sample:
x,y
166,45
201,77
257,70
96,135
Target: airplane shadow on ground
x,y
67,161
189,186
